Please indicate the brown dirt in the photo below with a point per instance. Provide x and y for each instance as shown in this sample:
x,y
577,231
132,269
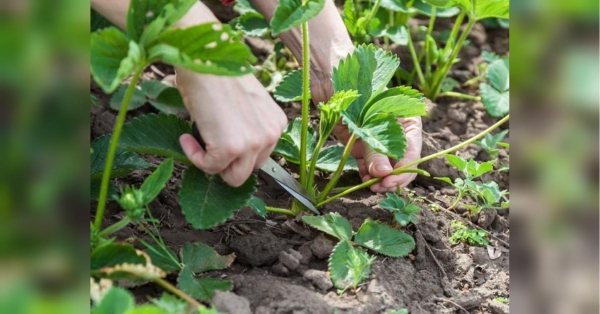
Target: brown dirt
x,y
434,279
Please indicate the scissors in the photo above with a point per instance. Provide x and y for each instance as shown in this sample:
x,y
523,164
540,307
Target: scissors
x,y
281,176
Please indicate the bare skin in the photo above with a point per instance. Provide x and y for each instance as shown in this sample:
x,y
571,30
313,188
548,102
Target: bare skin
x,y
244,140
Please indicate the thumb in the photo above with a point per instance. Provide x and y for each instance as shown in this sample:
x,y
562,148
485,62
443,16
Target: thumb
x,y
378,164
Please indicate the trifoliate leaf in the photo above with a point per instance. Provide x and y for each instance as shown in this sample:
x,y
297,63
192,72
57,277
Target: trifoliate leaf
x,y
384,239
333,224
116,301
210,48
199,257
200,288
207,201
496,103
113,58
291,13
258,206
124,161
382,133
330,158
155,182
252,23
290,88
348,265
156,134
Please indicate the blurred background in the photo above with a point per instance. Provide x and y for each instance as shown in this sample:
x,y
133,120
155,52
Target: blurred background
x,y
44,149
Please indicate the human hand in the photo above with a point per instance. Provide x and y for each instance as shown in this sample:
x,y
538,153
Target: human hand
x,y
239,122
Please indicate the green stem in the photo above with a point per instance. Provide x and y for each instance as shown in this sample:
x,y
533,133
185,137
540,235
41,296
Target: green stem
x,y
371,15
340,168
415,59
426,48
114,140
424,159
280,210
459,95
455,28
441,73
313,162
169,287
305,104
114,227
456,201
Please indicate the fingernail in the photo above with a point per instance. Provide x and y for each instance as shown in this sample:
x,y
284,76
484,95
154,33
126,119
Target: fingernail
x,y
382,168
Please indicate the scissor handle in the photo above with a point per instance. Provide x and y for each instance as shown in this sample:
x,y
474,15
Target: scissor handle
x,y
196,135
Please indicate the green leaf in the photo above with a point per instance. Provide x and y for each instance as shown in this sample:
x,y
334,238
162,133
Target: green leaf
x,y
424,8
476,169
113,58
333,224
199,257
137,100
163,97
207,201
395,91
384,239
496,103
400,106
497,75
116,301
142,14
367,70
123,164
258,206
432,50
97,21
210,48
147,309
393,202
330,158
331,111
290,88
200,288
349,266
153,88
491,8
350,17
122,261
252,23
156,134
155,182
449,84
382,133
170,303
165,260
457,162
444,179
440,3
288,145
291,13
407,214
398,34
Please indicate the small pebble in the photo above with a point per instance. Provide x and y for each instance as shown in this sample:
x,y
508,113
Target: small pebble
x,y
318,278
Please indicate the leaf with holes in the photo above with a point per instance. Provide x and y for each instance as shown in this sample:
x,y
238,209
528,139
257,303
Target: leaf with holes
x,y
113,57
291,13
200,288
210,48
290,88
333,224
123,164
199,257
155,182
348,265
156,134
207,201
384,239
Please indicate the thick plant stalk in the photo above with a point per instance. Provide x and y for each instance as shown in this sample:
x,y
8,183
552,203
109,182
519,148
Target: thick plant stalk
x,y
313,162
305,104
340,168
114,140
278,210
424,159
426,47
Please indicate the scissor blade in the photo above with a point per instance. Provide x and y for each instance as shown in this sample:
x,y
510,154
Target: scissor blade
x,y
290,184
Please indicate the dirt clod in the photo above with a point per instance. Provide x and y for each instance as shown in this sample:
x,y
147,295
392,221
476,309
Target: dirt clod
x,y
229,302
280,270
486,217
306,252
259,249
321,247
468,299
463,263
479,255
318,278
288,260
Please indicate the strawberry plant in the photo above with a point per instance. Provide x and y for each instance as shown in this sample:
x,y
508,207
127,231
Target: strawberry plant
x,y
466,235
404,212
490,143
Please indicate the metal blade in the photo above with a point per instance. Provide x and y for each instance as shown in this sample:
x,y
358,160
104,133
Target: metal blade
x,y
290,184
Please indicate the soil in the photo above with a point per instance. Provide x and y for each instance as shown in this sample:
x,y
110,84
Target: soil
x,y
281,264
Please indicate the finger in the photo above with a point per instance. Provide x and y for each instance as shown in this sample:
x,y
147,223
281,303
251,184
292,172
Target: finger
x,y
378,188
362,168
263,156
378,165
192,149
239,171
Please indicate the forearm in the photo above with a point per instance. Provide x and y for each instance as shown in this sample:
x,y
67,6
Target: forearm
x,y
329,39
116,12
